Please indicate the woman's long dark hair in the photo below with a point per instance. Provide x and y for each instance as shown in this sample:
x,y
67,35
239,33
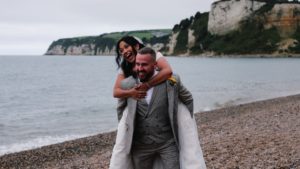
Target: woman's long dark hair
x,y
126,66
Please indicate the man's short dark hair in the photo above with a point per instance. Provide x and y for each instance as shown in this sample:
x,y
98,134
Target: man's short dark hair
x,y
148,50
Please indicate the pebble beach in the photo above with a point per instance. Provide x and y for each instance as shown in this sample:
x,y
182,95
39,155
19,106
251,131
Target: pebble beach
x,y
262,134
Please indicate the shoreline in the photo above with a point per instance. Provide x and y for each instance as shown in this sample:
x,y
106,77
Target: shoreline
x,y
211,55
259,134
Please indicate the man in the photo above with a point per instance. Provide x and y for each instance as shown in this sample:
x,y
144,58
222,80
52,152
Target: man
x,y
155,129
150,128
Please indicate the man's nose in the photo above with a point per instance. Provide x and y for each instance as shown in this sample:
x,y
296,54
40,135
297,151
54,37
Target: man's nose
x,y
139,67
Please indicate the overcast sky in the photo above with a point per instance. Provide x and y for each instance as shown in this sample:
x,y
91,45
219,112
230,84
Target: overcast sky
x,y
29,26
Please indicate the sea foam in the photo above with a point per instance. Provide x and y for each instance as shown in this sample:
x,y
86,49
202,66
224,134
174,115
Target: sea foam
x,y
36,143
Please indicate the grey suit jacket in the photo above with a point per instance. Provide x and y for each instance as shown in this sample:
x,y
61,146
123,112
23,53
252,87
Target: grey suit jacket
x,y
175,91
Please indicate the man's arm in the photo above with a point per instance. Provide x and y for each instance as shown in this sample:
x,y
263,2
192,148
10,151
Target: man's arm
x,y
185,96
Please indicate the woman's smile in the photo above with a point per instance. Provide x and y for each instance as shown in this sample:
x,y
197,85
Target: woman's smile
x,y
129,56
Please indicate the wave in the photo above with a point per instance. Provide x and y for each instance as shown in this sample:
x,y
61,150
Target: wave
x,y
228,103
36,143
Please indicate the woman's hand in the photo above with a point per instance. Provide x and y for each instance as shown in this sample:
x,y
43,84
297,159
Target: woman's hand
x,y
137,92
144,86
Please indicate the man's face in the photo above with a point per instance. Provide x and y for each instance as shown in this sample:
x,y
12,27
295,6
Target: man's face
x,y
144,66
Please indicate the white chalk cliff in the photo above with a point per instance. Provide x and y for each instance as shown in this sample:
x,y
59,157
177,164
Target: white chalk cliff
x,y
83,49
285,17
226,15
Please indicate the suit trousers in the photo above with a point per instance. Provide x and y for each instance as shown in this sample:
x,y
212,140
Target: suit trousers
x,y
144,155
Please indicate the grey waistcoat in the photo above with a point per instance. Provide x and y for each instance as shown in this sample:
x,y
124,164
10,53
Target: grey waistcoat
x,y
152,125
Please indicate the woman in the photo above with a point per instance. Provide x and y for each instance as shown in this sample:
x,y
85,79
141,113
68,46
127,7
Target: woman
x,y
190,153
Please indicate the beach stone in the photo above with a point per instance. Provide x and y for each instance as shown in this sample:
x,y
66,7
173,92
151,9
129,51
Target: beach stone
x,y
262,135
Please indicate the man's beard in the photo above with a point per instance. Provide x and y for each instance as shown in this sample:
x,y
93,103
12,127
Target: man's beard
x,y
147,76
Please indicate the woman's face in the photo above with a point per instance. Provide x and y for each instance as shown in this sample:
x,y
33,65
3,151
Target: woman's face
x,y
127,51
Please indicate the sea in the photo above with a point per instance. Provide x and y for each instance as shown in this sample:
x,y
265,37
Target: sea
x,y
51,99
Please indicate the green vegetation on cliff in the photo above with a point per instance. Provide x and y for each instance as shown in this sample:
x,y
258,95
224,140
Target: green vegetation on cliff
x,y
200,30
251,38
296,48
109,40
